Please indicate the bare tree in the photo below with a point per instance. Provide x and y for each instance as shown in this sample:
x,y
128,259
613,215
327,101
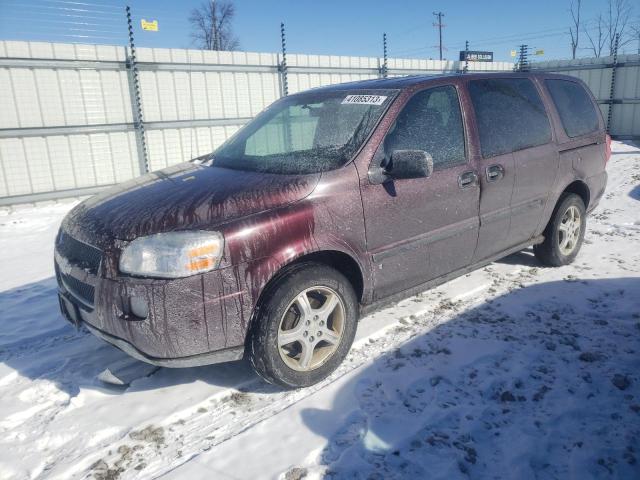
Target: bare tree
x,y
574,30
597,36
618,16
211,26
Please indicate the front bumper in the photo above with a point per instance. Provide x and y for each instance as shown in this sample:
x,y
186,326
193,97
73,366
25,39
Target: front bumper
x,y
192,321
71,313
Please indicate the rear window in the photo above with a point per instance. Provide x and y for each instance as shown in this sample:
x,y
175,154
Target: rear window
x,y
574,105
510,115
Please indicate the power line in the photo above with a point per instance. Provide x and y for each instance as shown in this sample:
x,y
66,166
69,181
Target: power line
x,y
74,11
64,15
502,39
59,22
506,40
84,4
533,34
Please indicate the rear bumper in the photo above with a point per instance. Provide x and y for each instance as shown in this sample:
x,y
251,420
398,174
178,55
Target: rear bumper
x,y
597,185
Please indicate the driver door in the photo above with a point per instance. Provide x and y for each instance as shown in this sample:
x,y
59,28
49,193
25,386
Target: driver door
x,y
419,229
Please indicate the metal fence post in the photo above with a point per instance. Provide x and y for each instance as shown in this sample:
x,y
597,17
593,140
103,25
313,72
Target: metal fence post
x,y
523,61
384,70
466,57
136,99
282,67
612,88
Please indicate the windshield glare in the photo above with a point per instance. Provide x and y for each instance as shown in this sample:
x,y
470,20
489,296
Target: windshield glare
x,y
305,133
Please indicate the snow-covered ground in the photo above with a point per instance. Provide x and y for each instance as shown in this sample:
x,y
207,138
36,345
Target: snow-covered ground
x,y
513,371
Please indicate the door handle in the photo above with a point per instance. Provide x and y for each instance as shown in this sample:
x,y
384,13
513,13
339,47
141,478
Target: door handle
x,y
494,172
468,179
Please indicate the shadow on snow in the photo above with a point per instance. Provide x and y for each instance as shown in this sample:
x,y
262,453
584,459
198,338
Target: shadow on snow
x,y
541,382
37,342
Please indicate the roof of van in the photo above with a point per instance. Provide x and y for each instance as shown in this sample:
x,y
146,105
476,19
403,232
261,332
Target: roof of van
x,y
410,80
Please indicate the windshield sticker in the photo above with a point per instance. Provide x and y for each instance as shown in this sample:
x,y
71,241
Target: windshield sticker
x,y
364,99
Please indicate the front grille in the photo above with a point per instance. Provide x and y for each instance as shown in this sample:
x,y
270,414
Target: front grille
x,y
78,253
80,290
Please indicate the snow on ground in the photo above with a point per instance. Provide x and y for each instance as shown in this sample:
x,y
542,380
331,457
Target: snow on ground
x,y
512,371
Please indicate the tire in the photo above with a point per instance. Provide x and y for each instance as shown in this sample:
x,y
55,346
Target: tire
x,y
310,326
551,252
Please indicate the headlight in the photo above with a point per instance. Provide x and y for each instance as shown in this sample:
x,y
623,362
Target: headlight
x,y
173,254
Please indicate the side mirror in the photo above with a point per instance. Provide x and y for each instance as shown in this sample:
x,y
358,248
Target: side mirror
x,y
409,164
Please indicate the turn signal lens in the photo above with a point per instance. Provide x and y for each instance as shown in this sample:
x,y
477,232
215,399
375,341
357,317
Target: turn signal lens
x,y
202,258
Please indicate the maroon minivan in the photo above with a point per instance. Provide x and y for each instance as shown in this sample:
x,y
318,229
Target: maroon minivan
x,y
329,204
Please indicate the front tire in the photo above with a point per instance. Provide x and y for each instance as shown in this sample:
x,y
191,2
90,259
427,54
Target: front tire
x,y
564,234
305,327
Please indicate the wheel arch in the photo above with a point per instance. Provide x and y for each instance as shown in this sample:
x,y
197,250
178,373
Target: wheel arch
x,y
339,260
576,186
581,189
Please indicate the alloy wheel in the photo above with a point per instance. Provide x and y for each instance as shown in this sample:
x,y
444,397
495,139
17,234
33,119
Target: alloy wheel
x,y
569,230
311,328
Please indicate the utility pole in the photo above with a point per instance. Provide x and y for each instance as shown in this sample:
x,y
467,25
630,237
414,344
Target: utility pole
x,y
439,24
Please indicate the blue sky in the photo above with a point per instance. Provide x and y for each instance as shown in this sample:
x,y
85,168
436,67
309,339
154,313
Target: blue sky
x,y
347,27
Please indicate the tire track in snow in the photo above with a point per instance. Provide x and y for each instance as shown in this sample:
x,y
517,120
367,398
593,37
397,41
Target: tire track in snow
x,y
186,434
211,423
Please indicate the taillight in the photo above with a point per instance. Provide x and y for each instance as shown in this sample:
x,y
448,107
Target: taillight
x,y
607,151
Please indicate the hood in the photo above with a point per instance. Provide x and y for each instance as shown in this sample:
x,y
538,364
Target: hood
x,y
182,197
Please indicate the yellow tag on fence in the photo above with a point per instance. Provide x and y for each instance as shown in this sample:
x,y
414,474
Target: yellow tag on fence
x,y
150,26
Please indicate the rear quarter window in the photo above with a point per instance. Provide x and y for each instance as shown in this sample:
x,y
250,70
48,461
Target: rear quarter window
x,y
577,112
510,115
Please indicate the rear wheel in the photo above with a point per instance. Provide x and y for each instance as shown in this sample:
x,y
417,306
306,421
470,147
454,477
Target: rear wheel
x,y
564,234
305,327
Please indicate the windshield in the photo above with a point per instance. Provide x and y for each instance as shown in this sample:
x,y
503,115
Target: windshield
x,y
305,133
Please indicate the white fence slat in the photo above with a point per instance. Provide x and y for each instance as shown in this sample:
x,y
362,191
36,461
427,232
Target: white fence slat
x,y
178,85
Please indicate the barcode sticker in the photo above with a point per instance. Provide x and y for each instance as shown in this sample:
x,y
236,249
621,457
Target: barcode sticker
x,y
364,99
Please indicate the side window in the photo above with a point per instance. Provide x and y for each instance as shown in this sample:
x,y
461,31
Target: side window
x,y
576,110
431,121
510,115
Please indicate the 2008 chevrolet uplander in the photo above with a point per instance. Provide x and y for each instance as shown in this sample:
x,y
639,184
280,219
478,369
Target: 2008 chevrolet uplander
x,y
330,203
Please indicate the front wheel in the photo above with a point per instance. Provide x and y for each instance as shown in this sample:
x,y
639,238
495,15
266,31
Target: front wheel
x,y
305,327
564,234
